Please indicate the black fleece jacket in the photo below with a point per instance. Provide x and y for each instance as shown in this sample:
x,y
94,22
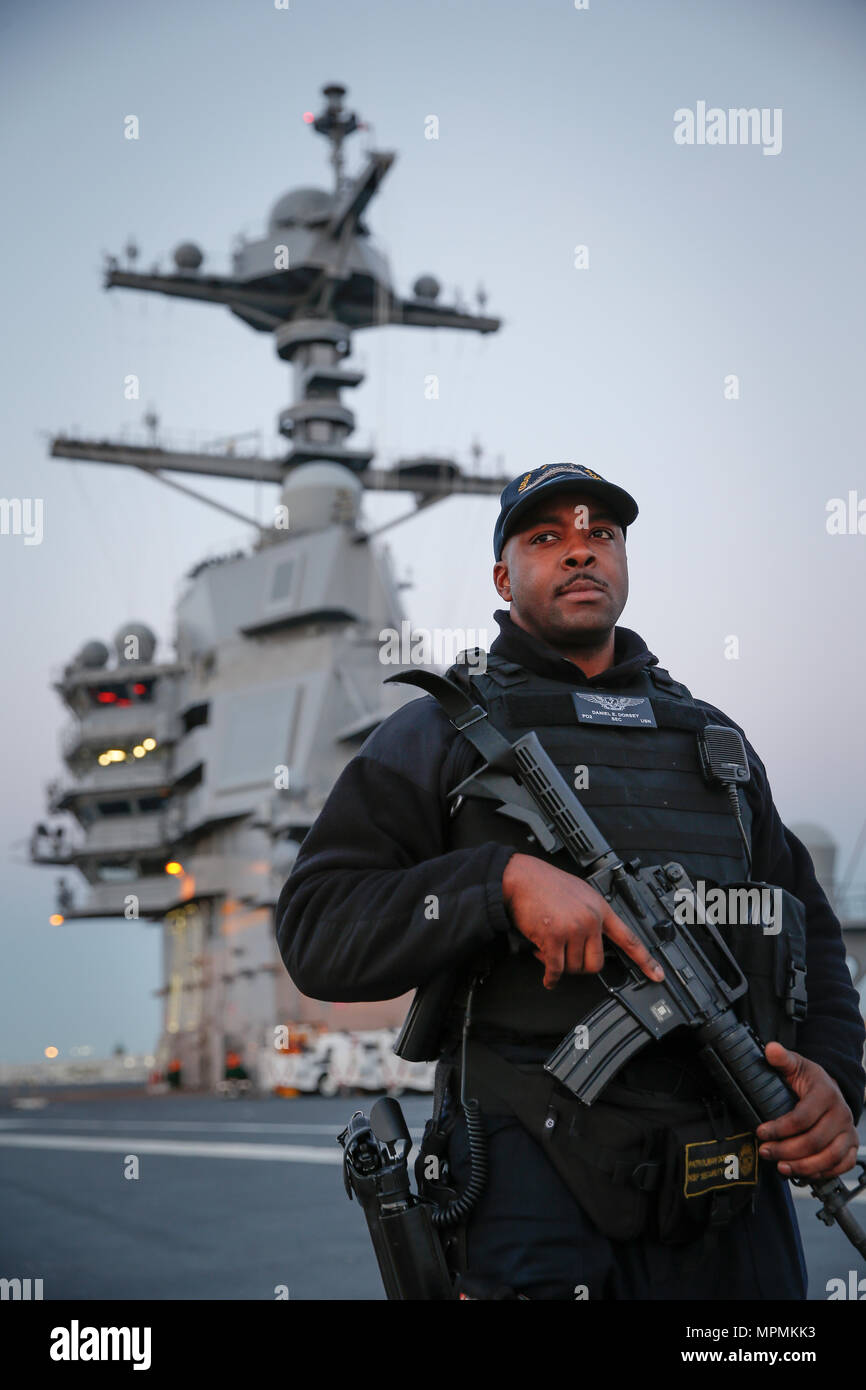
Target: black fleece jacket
x,y
351,921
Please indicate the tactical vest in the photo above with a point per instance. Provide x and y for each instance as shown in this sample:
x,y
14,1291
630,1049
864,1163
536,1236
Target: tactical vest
x,y
632,755
648,1157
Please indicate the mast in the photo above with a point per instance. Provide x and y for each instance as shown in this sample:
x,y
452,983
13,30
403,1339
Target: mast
x,y
310,282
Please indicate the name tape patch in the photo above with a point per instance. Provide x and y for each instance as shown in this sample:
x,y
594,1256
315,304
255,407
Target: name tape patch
x,y
715,1163
634,710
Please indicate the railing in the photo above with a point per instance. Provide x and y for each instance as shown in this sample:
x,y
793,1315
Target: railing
x,y
127,725
125,832
244,444
60,850
203,875
135,774
155,893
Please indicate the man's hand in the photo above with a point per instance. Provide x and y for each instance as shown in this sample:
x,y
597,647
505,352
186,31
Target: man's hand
x,y
565,919
817,1138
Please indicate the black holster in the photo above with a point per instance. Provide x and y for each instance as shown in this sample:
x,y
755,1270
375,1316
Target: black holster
x,y
407,1247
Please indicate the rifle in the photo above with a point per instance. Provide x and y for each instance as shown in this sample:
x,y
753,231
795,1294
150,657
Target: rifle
x,y
527,786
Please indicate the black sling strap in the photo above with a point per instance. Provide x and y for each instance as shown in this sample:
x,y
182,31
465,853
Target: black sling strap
x,y
471,719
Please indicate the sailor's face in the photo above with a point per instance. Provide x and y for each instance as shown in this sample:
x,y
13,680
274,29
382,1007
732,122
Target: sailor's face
x,y
564,568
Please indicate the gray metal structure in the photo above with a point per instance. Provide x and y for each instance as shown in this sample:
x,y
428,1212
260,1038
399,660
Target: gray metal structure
x,y
190,781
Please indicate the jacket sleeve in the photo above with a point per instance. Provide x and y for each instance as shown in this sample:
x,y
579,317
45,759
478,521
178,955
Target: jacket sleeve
x,y
832,1034
375,904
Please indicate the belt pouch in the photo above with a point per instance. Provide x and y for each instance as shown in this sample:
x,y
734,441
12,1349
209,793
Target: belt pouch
x,y
710,1174
610,1167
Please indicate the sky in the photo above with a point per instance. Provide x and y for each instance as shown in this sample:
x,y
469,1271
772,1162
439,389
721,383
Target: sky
x,y
706,353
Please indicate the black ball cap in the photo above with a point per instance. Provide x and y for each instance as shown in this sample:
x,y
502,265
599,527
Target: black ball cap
x,y
522,493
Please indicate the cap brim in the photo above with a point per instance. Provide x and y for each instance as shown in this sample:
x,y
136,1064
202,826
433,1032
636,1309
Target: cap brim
x,y
621,503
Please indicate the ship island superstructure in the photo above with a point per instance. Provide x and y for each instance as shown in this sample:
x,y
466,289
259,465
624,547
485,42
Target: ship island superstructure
x,y
190,782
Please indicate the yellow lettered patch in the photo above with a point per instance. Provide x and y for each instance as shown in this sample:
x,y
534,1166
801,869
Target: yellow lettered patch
x,y
721,1163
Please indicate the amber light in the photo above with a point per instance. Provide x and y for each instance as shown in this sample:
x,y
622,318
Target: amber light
x,y
173,867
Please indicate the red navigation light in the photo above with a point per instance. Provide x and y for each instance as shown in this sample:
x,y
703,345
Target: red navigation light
x,y
106,697
309,117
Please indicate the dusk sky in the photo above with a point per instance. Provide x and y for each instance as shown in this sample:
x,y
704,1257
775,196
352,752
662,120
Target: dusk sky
x,y
556,129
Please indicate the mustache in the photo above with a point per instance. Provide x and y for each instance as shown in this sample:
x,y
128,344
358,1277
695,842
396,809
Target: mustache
x,y
581,579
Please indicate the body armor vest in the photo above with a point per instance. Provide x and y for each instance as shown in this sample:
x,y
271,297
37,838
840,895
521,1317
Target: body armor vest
x,y
640,781
642,1158
632,755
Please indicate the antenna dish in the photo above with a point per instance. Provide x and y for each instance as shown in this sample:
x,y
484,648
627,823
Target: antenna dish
x,y
188,256
145,638
301,207
93,656
426,287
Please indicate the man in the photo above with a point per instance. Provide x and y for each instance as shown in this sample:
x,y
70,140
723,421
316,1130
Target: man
x,y
395,886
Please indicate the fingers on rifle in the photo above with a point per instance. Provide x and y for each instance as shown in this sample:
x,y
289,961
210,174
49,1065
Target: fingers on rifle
x,y
828,1163
616,929
813,1140
575,953
554,964
803,1116
846,1164
593,955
